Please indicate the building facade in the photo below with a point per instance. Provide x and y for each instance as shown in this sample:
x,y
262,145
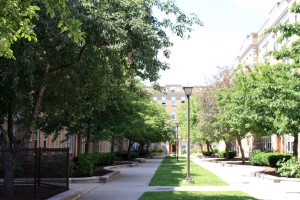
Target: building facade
x,y
253,51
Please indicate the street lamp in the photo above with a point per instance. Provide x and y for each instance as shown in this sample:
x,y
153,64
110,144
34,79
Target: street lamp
x,y
188,93
177,143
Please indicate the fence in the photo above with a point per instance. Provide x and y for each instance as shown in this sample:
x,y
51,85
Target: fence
x,y
37,173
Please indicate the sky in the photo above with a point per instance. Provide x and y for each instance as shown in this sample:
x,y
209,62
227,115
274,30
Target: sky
x,y
226,25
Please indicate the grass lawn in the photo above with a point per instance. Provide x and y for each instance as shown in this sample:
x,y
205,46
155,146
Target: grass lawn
x,y
176,195
172,173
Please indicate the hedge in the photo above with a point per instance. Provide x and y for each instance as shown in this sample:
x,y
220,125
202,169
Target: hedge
x,y
267,158
222,154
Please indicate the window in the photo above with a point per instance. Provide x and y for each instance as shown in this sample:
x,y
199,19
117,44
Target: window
x,y
154,99
182,99
290,143
36,139
155,146
61,139
173,115
69,143
45,141
163,100
269,143
54,143
173,100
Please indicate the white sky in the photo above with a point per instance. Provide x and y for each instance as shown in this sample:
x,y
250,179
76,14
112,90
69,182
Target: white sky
x,y
226,24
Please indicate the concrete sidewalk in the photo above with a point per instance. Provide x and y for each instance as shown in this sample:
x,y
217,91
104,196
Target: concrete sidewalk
x,y
133,182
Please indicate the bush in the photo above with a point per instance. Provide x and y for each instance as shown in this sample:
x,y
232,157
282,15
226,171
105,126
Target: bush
x,y
274,158
222,154
193,151
289,168
157,152
207,153
183,151
267,158
82,166
124,155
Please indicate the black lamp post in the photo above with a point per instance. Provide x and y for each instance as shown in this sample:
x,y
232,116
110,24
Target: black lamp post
x,y
188,93
177,142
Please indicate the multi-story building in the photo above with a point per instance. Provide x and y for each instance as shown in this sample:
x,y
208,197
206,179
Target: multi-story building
x,y
253,51
172,98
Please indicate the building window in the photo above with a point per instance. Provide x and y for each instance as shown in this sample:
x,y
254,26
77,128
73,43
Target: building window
x,y
154,99
163,100
269,143
61,139
182,99
155,146
45,141
173,100
173,115
290,143
54,143
69,143
36,139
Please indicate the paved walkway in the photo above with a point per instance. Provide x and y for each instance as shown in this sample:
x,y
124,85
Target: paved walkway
x,y
133,182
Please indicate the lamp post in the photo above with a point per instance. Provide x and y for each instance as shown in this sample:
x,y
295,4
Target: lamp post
x,y
177,143
188,93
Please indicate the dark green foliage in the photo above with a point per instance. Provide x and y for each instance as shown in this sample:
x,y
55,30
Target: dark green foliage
x,y
267,158
207,153
289,168
222,154
101,158
84,164
53,168
124,154
81,166
274,158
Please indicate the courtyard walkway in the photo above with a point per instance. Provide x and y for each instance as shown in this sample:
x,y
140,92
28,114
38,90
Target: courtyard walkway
x,y
133,182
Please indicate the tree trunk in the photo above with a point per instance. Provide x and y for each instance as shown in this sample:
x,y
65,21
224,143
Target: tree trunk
x,y
227,145
242,149
129,149
112,142
295,147
8,173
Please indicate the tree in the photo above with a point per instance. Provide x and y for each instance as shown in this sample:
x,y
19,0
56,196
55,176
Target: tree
x,y
122,40
17,22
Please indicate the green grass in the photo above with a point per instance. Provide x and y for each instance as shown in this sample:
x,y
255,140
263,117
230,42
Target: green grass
x,y
176,195
172,173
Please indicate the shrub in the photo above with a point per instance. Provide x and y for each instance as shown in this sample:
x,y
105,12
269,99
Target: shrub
x,y
259,158
267,158
274,158
157,152
124,155
193,151
207,153
215,150
222,154
289,168
82,166
183,151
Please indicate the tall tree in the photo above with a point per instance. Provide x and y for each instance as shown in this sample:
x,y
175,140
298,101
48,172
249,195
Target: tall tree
x,y
17,22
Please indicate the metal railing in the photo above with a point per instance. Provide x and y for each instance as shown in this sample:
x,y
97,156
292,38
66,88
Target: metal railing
x,y
37,173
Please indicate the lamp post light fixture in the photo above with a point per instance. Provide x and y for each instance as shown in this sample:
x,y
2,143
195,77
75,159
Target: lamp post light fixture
x,y
177,142
188,93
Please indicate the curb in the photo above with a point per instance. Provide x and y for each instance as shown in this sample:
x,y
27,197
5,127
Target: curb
x,y
74,194
261,175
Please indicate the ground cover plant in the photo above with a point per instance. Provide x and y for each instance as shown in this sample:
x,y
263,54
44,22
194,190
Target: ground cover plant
x,y
172,173
174,195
